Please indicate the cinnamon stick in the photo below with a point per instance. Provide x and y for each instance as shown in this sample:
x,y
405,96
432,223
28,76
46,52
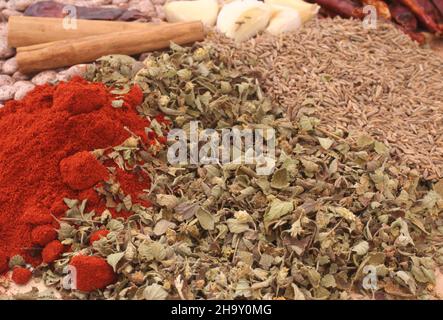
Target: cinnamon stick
x,y
75,51
26,31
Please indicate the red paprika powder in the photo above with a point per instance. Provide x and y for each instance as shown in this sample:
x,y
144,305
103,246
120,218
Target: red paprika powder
x,y
82,171
45,157
21,276
92,273
3,264
43,234
97,235
52,251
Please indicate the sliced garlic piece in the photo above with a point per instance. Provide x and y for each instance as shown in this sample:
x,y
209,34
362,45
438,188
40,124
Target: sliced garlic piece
x,y
306,10
283,19
243,19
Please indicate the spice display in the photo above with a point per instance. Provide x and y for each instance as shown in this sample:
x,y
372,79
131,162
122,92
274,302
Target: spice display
x,y
333,205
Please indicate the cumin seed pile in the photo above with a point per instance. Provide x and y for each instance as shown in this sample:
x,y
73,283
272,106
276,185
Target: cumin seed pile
x,y
375,81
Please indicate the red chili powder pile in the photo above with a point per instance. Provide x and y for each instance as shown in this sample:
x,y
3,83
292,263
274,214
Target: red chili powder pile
x,y
21,276
92,273
46,140
97,235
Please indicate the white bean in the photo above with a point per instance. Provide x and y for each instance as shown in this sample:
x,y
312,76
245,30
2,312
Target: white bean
x,y
17,76
5,80
5,51
22,88
145,6
77,70
10,66
44,77
7,92
118,2
10,13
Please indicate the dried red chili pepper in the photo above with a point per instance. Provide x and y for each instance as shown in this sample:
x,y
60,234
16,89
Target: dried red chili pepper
x,y
421,13
53,9
344,8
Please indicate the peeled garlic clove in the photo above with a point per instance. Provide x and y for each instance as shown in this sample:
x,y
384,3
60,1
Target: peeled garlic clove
x,y
183,11
251,23
283,20
230,12
242,20
306,10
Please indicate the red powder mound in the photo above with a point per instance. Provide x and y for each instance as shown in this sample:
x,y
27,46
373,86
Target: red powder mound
x,y
3,264
52,251
82,171
37,133
97,235
133,183
44,234
36,216
77,98
21,276
92,273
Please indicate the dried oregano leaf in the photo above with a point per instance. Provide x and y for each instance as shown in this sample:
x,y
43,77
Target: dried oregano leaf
x,y
361,248
205,219
280,179
162,226
155,292
65,231
152,251
117,103
167,200
114,259
15,261
326,143
278,209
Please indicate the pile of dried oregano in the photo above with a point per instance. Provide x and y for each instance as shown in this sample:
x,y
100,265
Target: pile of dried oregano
x,y
332,207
